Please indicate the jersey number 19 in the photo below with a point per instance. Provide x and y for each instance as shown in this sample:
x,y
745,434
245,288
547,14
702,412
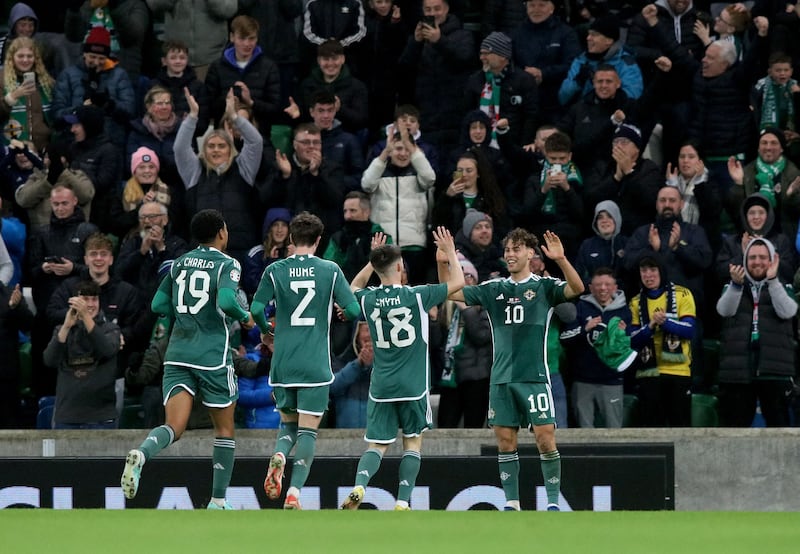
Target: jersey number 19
x,y
199,285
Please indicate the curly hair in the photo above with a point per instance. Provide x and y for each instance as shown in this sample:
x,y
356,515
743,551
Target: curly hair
x,y
11,79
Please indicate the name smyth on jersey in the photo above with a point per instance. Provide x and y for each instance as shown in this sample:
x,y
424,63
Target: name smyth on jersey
x,y
198,263
390,301
301,272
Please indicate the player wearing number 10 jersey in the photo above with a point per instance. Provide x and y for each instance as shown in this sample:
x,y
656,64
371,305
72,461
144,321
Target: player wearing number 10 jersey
x,y
198,293
520,309
397,317
304,288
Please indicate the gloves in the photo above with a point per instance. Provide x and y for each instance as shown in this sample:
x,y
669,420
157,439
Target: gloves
x,y
584,74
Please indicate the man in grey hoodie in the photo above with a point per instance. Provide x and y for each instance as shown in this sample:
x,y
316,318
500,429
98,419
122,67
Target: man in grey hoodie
x,y
607,248
757,352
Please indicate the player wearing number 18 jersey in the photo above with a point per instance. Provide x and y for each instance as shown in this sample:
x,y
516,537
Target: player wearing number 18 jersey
x,y
397,317
198,294
520,312
304,288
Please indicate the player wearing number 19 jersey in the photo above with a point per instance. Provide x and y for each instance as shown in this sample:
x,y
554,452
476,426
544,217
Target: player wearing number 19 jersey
x,y
397,317
304,289
520,312
198,294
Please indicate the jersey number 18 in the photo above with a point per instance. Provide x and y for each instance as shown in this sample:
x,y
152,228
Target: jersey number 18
x,y
400,318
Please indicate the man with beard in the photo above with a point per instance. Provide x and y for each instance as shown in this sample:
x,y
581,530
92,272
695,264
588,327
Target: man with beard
x,y
757,354
682,246
349,247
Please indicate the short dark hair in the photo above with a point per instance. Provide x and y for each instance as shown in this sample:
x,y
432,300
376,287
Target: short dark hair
x,y
606,67
384,256
171,45
397,137
321,96
604,270
558,142
779,57
406,109
87,288
206,224
363,198
305,228
330,48
521,236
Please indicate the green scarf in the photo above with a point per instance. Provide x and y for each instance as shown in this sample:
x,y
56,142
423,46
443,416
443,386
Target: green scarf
x,y
490,101
777,106
19,124
766,177
574,179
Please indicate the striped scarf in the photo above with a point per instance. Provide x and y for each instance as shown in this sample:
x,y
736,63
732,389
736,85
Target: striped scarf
x,y
490,101
20,124
777,106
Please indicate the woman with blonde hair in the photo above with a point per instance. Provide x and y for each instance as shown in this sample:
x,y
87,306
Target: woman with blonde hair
x,y
156,130
27,92
221,178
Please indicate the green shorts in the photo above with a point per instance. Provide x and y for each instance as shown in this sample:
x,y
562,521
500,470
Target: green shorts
x,y
521,405
305,400
413,417
218,388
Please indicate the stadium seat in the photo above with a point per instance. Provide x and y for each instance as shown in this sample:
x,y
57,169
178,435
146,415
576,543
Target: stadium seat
x,y
44,419
704,410
630,411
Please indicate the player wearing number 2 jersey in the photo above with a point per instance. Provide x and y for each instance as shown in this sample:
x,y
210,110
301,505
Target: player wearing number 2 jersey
x,y
304,288
397,317
198,294
520,311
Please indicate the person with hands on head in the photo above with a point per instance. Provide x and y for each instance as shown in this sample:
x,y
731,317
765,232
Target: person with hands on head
x,y
397,317
198,357
520,308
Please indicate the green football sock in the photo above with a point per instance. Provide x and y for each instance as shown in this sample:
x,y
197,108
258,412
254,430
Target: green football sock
x,y
368,466
158,439
304,456
409,469
287,437
508,463
551,471
223,457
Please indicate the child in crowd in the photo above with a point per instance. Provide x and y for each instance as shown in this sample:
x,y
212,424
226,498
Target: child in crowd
x,y
175,75
775,98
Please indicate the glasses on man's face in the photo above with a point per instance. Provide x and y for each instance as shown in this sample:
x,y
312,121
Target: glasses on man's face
x,y
148,217
309,142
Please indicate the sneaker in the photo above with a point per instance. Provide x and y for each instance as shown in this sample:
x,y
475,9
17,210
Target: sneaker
x,y
274,481
353,500
291,503
509,509
215,506
130,475
399,508
553,508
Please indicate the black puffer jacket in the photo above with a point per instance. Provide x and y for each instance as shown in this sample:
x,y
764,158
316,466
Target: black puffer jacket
x,y
101,161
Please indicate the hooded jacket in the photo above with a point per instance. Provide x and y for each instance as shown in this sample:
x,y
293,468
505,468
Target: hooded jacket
x,y
618,56
599,251
354,100
731,252
743,360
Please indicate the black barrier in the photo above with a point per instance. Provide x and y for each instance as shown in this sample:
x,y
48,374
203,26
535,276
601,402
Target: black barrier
x,y
594,477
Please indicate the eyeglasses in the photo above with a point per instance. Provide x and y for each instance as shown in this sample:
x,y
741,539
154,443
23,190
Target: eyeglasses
x,y
309,142
147,217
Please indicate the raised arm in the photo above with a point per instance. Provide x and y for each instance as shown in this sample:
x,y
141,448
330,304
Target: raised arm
x,y
554,250
362,277
455,275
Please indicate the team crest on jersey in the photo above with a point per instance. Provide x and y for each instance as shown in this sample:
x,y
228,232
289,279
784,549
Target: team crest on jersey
x,y
235,275
529,295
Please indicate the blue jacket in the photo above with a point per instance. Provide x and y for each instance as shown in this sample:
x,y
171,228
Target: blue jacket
x,y
256,403
618,56
350,392
71,91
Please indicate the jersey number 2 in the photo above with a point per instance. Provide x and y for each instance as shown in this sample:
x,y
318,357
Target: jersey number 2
x,y
296,319
400,319
199,285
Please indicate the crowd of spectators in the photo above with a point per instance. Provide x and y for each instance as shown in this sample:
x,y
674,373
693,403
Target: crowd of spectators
x,y
660,141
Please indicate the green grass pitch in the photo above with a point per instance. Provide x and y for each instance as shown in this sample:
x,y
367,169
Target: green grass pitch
x,y
328,531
